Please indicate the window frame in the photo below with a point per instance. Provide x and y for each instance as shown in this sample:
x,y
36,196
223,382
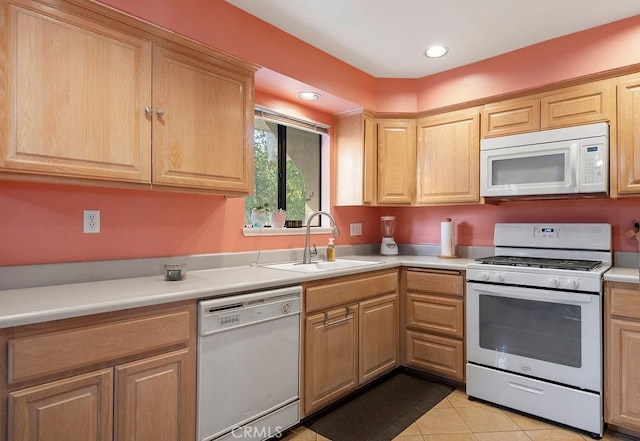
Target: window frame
x,y
324,173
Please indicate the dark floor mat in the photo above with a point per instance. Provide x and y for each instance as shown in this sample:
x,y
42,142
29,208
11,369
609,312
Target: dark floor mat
x,y
381,413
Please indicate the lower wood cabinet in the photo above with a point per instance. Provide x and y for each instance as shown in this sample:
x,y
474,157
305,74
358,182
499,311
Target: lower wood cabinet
x,y
378,337
150,396
331,355
434,321
73,409
350,334
622,355
123,376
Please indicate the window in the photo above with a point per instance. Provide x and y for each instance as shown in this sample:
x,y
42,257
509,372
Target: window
x,y
288,164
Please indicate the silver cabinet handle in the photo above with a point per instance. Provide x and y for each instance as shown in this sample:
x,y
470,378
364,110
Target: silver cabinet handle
x,y
147,110
160,112
347,317
335,322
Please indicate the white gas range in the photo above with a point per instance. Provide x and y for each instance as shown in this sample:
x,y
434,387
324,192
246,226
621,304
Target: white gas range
x,y
534,322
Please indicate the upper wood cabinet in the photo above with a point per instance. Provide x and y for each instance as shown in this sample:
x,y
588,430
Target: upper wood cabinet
x,y
202,123
570,106
510,117
396,161
628,145
75,96
356,159
583,104
448,158
88,88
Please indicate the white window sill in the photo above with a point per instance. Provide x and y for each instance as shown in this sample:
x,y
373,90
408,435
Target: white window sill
x,y
284,231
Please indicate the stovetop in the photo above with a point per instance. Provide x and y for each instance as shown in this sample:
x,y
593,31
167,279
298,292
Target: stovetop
x,y
542,262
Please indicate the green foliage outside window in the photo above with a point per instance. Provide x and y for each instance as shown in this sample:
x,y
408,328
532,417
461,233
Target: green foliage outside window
x,y
266,180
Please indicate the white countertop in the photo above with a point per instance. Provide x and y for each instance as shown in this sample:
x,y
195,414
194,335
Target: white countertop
x,y
619,274
40,304
33,305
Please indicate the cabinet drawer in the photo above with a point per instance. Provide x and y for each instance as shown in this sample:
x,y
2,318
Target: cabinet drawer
x,y
46,354
349,290
438,355
625,302
437,314
452,284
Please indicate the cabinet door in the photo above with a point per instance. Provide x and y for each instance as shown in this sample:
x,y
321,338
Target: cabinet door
x,y
624,374
73,409
331,356
378,337
629,137
396,161
356,161
202,124
510,117
155,399
76,93
448,158
584,104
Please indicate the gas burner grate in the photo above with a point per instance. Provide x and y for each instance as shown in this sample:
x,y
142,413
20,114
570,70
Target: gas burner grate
x,y
542,262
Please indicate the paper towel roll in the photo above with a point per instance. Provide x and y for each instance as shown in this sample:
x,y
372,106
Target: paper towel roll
x,y
447,238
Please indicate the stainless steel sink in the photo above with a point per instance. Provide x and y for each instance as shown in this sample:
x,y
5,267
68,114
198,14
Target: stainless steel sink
x,y
316,267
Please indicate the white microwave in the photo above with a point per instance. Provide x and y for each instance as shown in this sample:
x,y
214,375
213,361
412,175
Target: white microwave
x,y
546,164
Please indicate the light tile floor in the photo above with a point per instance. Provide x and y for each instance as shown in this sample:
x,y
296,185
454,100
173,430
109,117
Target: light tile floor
x,y
457,419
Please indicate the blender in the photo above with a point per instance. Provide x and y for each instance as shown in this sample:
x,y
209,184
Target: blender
x,y
388,246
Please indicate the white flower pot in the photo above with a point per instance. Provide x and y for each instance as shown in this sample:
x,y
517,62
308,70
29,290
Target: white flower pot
x,y
277,218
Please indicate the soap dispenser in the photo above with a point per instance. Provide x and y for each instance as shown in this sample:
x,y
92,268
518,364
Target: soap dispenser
x,y
331,251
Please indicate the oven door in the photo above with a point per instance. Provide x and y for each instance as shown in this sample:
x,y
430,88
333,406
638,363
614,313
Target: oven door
x,y
530,170
544,334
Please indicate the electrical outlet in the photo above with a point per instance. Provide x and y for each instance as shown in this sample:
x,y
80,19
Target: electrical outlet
x,y
355,229
91,221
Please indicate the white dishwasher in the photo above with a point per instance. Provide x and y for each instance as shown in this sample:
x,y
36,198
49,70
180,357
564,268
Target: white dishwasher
x,y
248,365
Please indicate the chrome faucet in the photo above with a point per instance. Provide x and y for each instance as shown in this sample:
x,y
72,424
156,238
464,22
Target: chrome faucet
x,y
306,255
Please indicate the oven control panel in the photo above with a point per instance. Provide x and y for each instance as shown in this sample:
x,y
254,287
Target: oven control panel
x,y
556,280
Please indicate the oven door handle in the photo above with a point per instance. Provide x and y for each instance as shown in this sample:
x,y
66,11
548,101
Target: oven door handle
x,y
530,294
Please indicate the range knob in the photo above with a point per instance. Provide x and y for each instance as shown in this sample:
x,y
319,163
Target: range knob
x,y
573,283
499,277
484,275
555,282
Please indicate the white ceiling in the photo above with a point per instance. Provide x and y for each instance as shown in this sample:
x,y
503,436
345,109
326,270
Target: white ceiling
x,y
387,38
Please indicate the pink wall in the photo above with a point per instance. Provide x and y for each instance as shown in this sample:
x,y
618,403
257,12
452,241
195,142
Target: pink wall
x,y
474,223
595,50
43,223
229,29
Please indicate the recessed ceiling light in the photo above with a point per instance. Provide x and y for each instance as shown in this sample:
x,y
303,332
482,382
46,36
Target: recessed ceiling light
x,y
436,51
309,96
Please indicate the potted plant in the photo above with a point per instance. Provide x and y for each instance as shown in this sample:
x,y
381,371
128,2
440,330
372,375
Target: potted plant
x,y
277,218
259,215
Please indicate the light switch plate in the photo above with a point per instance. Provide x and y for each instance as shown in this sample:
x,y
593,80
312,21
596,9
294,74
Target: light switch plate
x,y
355,229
